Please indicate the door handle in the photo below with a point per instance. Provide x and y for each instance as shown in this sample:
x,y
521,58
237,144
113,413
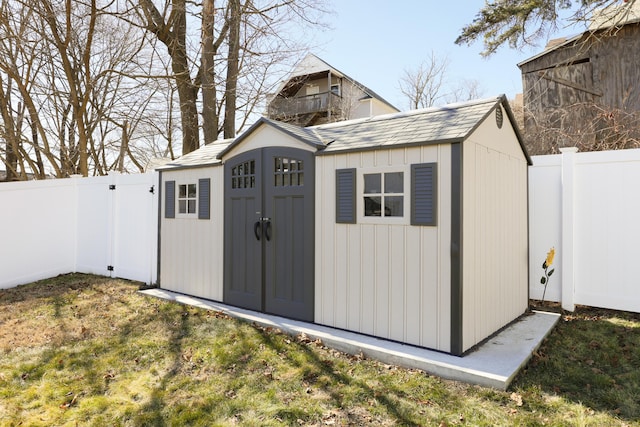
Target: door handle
x,y
267,230
256,227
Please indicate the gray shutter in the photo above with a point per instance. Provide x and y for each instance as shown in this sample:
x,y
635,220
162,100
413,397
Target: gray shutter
x,y
423,194
204,198
346,196
169,199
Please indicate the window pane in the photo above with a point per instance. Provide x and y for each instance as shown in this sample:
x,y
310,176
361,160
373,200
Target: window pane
x,y
182,206
300,178
372,183
372,206
252,166
182,191
393,206
192,206
393,182
192,190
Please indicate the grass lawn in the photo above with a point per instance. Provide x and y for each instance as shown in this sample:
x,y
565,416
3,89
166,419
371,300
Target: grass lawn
x,y
85,350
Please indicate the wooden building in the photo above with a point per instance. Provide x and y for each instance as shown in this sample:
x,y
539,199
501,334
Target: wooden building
x,y
583,91
410,227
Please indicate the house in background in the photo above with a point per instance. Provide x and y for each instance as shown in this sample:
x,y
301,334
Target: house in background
x,y
583,91
316,93
409,226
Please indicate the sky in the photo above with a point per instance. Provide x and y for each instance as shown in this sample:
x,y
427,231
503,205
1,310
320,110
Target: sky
x,y
373,41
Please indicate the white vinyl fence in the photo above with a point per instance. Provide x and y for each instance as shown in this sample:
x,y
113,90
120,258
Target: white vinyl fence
x,y
587,206
102,225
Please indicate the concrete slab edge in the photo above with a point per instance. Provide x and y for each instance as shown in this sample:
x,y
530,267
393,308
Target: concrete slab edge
x,y
389,352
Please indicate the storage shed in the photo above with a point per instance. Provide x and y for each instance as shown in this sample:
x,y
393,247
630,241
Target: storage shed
x,y
410,227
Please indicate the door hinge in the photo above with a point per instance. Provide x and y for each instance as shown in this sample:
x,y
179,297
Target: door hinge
x,y
109,267
112,186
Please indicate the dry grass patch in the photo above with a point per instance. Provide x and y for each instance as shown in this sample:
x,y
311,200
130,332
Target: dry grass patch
x,y
86,350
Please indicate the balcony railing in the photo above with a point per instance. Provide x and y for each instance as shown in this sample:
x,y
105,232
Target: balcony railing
x,y
290,107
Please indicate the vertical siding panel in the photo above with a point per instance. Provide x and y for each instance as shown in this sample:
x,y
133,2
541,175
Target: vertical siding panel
x,y
397,283
429,280
342,265
354,279
468,243
414,313
381,267
328,237
443,316
322,193
368,280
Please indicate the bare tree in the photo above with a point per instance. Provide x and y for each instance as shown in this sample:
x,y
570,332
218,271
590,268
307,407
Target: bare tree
x,y
242,40
423,86
429,84
69,98
466,90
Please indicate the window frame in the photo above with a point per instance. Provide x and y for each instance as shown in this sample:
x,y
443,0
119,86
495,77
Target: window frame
x,y
406,193
188,215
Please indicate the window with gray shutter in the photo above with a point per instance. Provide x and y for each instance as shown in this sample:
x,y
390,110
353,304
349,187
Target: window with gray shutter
x,y
204,199
346,196
423,194
170,199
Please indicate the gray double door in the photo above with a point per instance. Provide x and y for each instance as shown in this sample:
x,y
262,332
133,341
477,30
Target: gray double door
x,y
269,231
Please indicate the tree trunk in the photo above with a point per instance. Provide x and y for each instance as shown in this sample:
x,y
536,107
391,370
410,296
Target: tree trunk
x,y
232,69
9,134
209,95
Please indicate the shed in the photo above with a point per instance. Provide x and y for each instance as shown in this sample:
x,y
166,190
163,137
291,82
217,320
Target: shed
x,y
410,227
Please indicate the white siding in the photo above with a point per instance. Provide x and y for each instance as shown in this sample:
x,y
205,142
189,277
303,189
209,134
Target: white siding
x,y
267,136
494,236
387,280
191,249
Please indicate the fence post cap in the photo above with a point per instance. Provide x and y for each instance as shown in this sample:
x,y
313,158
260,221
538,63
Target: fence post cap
x,y
569,150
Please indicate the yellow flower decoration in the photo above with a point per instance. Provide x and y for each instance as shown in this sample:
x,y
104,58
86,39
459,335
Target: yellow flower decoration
x,y
550,255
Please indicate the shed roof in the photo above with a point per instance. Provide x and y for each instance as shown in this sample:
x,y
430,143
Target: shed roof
x,y
447,124
203,156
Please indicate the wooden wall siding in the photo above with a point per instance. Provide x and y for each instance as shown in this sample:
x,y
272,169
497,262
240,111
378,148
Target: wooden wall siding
x,y
391,281
495,243
191,250
606,74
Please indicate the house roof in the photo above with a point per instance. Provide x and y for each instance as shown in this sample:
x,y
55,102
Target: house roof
x,y
313,65
447,124
614,15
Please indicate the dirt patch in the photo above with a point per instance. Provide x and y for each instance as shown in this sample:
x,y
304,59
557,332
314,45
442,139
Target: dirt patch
x,y
67,307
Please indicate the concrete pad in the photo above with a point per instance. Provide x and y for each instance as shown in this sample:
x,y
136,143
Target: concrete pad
x,y
495,363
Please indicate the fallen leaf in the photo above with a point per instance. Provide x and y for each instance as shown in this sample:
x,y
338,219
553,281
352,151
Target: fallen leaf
x,y
517,398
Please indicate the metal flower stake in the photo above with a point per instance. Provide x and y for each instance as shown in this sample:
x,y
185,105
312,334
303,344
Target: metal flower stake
x,y
547,273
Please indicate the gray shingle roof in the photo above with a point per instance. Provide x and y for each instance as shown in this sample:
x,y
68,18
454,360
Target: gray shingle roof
x,y
207,155
432,125
451,123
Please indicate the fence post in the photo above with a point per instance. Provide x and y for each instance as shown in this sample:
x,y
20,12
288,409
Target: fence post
x,y
568,165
